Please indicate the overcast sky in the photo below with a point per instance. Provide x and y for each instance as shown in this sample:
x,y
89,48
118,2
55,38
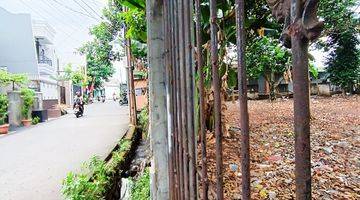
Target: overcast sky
x,y
71,20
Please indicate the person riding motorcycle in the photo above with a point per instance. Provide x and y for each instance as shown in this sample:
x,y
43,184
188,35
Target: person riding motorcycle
x,y
79,101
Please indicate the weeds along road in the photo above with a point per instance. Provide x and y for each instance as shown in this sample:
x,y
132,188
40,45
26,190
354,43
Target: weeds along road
x,y
34,161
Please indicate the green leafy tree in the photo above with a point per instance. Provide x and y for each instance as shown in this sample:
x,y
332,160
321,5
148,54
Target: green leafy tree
x,y
99,53
265,57
343,62
341,29
15,79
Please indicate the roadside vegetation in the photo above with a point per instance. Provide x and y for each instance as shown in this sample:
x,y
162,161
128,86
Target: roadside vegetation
x,y
140,189
94,179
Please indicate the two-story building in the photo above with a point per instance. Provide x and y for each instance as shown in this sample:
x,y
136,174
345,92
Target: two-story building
x,y
26,46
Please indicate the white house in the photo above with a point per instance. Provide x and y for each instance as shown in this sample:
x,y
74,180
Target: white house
x,y
26,46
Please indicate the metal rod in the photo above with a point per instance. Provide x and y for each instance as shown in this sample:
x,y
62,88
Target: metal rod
x,y
174,101
168,70
183,97
299,46
179,102
244,115
217,100
190,94
200,65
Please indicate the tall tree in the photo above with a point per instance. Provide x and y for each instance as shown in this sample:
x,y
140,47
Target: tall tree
x,y
99,54
343,63
265,57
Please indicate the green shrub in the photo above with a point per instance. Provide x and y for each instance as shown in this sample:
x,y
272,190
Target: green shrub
x,y
143,119
140,190
35,120
80,187
28,97
4,103
94,179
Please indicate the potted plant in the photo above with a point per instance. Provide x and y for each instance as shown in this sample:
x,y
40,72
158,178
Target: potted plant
x,y
28,97
4,102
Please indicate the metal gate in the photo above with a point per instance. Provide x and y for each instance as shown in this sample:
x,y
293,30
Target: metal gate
x,y
173,57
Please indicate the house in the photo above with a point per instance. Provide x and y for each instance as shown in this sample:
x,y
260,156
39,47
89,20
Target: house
x,y
141,89
26,46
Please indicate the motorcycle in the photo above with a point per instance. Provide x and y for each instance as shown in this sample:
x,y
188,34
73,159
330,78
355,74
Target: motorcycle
x,y
77,111
123,100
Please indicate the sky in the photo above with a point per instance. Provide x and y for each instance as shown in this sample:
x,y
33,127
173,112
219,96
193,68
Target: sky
x,y
71,20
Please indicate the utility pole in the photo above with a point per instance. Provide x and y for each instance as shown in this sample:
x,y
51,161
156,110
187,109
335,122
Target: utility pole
x,y
158,100
130,78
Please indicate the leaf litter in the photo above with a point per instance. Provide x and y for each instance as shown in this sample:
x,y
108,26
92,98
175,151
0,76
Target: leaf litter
x,y
335,154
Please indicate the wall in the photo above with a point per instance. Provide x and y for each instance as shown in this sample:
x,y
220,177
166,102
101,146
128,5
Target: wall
x,y
17,46
141,93
15,103
49,90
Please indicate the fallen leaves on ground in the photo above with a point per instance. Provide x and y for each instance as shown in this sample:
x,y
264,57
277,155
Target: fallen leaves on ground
x,y
335,143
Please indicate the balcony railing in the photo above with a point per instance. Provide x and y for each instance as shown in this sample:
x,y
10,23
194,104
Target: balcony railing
x,y
45,61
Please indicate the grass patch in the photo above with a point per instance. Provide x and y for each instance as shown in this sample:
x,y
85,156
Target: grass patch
x,y
143,121
95,177
140,189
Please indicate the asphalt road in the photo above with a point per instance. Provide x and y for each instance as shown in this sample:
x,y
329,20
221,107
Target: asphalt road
x,y
34,161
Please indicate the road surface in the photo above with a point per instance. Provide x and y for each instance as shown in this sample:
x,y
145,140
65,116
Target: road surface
x,y
34,161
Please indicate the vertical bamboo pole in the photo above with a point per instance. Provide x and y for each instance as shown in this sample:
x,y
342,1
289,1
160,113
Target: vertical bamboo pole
x,y
157,95
200,65
244,115
217,100
299,46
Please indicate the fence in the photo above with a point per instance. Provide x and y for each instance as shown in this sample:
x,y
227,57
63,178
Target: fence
x,y
173,55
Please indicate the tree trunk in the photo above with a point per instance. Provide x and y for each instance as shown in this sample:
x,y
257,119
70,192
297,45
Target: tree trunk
x,y
157,104
272,95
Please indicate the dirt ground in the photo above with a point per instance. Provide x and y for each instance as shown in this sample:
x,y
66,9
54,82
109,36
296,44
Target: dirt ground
x,y
335,142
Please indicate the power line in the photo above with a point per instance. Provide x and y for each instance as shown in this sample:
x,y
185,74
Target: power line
x,y
21,1
63,14
75,11
85,10
59,20
44,18
96,3
91,8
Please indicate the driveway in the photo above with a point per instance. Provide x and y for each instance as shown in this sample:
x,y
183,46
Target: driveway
x,y
34,161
